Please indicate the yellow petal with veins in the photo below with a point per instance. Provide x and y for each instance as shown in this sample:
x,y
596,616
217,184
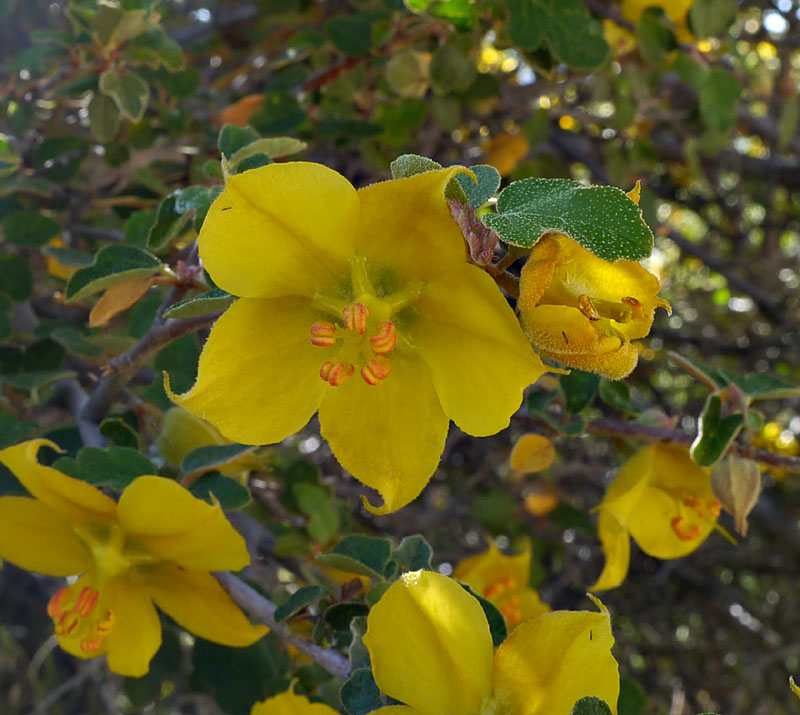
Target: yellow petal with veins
x,y
258,377
36,538
575,662
197,601
280,230
390,436
173,525
72,499
430,645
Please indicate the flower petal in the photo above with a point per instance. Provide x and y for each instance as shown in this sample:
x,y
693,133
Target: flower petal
x,y
406,226
479,358
430,645
484,569
173,525
553,660
289,703
258,378
617,549
389,436
74,500
136,635
196,601
36,538
283,229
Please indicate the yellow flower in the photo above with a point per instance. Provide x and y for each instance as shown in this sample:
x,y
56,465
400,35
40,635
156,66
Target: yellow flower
x,y
584,311
675,10
157,544
359,304
430,647
664,501
290,704
503,580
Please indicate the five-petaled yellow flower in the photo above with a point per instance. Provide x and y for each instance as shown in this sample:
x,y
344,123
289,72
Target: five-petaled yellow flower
x,y
157,544
430,647
359,304
583,311
289,703
664,501
505,581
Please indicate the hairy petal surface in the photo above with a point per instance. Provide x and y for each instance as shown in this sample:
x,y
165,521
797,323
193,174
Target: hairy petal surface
x,y
173,525
197,601
389,436
282,229
478,356
430,645
258,377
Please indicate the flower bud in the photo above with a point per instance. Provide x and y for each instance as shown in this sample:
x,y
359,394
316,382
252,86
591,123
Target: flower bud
x,y
737,483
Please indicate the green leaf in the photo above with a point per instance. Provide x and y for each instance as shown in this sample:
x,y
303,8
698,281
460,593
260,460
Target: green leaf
x,y
656,40
273,147
340,615
361,554
632,697
25,228
497,622
488,182
760,386
216,488
214,301
13,430
574,36
352,34
602,219
212,456
407,165
75,341
617,394
35,380
590,706
719,95
579,389
408,73
59,158
360,694
128,90
103,118
460,12
233,138
712,18
323,514
451,70
16,278
525,23
115,467
169,224
298,601
112,264
714,433
119,432
414,553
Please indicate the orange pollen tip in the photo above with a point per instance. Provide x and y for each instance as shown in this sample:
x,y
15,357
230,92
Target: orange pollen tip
x,y
376,370
684,531
88,597
714,507
385,340
336,373
499,587
55,606
355,317
323,334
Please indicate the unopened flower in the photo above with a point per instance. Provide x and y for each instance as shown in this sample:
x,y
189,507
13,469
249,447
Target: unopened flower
x,y
359,304
662,500
156,546
431,648
583,311
505,581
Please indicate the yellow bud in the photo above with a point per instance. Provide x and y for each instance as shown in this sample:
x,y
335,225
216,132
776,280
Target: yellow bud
x,y
737,483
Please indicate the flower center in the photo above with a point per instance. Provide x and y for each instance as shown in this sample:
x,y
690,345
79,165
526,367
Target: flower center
x,y
76,616
501,593
686,526
362,332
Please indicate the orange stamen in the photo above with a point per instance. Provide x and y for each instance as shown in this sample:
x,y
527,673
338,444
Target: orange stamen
x,y
684,531
86,600
56,604
336,373
500,587
355,317
376,370
385,339
323,334
586,307
714,507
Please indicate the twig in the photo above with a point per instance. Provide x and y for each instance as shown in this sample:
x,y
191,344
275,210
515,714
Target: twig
x,y
70,391
88,670
124,367
603,427
264,610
